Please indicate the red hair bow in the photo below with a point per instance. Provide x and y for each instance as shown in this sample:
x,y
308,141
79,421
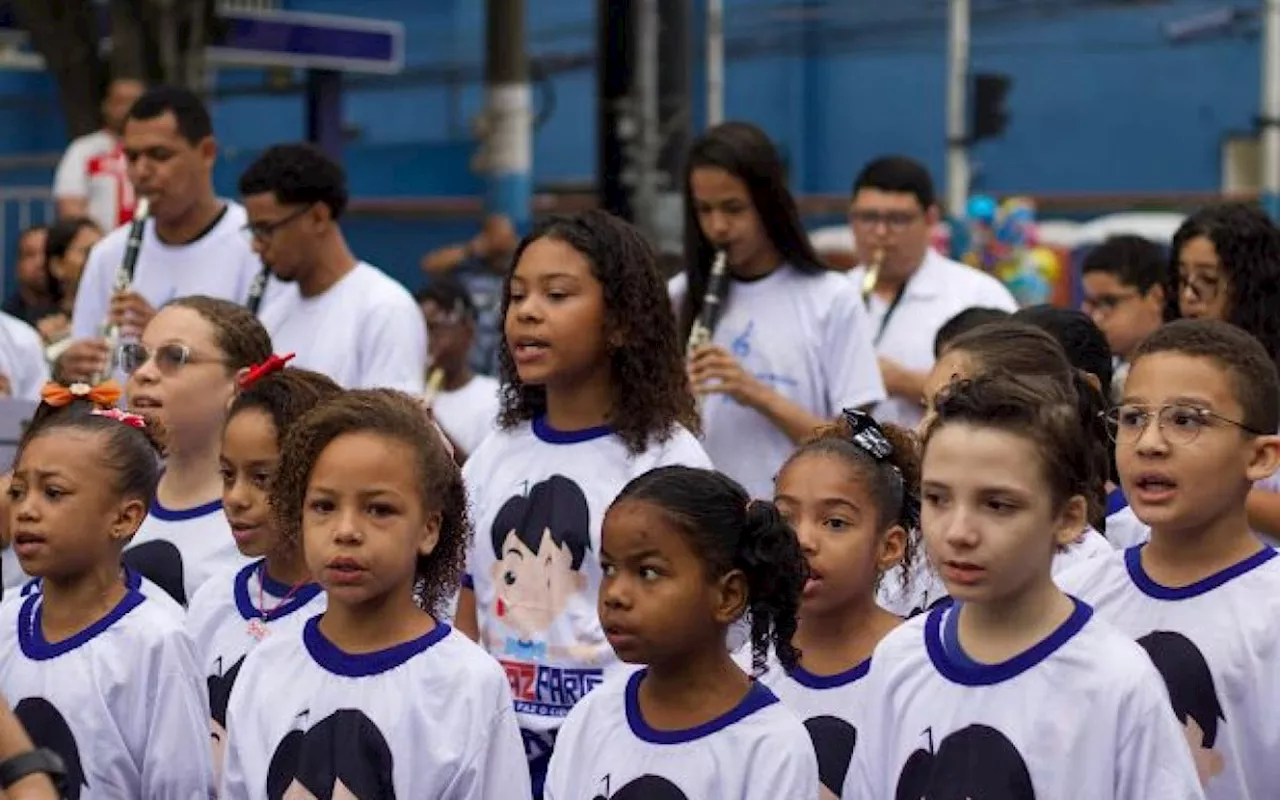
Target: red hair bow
x,y
132,420
256,373
104,395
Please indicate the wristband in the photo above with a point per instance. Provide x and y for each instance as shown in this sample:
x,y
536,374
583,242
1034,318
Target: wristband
x,y
29,763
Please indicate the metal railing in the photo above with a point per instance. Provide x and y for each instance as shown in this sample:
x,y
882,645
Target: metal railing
x,y
20,208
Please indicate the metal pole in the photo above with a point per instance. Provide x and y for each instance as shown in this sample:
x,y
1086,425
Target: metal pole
x,y
1271,110
715,62
509,100
957,97
647,145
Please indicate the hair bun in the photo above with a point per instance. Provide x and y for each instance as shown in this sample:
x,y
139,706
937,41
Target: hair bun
x,y
762,533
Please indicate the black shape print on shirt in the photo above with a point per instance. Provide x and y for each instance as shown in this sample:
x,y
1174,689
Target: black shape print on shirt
x,y
646,787
834,741
160,562
48,728
1195,698
220,687
342,756
974,763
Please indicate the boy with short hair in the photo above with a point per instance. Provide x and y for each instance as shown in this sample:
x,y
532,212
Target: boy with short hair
x,y
1124,292
1194,430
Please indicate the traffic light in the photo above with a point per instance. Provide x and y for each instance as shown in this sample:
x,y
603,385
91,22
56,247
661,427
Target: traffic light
x,y
990,115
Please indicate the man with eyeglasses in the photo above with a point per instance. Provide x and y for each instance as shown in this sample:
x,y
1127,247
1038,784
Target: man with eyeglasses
x,y
916,290
341,316
1124,292
191,244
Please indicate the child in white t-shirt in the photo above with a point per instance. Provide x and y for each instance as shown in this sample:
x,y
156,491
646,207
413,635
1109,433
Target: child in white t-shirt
x,y
1193,434
183,372
595,394
852,493
791,343
687,554
1013,689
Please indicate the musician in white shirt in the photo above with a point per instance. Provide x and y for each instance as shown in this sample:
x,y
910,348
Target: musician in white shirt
x,y
191,244
342,317
892,212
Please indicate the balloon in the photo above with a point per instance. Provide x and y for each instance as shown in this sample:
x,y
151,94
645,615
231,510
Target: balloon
x,y
982,208
1045,262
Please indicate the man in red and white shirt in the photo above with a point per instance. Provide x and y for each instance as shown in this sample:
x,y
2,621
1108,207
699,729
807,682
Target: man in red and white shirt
x,y
91,179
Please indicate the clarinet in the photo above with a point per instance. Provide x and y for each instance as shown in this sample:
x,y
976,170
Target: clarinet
x,y
256,290
124,278
704,327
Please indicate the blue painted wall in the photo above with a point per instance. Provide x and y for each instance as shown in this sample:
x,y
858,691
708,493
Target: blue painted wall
x,y
1103,101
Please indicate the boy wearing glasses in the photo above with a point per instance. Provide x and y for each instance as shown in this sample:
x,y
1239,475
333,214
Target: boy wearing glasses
x,y
1193,432
1124,293
916,290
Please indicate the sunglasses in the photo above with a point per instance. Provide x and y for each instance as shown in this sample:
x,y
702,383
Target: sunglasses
x,y
168,358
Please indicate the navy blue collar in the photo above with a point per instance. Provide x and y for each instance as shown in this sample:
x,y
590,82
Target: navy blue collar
x,y
31,635
809,680
362,665
550,435
757,698
1147,585
949,658
245,604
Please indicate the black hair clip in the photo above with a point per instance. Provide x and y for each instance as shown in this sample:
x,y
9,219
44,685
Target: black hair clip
x,y
866,433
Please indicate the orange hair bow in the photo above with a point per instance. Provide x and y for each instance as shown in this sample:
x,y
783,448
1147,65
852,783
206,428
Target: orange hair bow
x,y
104,395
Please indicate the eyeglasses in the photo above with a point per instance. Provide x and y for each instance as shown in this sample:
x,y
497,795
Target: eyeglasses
x,y
1106,303
1179,424
263,231
1203,288
893,220
169,358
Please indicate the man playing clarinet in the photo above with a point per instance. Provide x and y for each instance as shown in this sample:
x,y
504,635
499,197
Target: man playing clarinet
x,y
192,243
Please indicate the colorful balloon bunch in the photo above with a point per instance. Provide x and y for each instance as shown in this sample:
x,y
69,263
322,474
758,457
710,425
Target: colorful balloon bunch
x,y
1000,239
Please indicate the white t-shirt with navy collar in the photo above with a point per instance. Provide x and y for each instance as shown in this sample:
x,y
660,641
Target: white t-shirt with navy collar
x,y
365,332
225,619
533,483
1217,644
807,337
830,707
122,700
180,549
939,289
429,718
1080,715
220,263
756,751
134,581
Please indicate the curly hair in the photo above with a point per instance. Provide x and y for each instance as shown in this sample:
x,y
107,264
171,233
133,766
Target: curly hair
x,y
285,396
297,174
651,394
731,531
1248,247
399,417
893,484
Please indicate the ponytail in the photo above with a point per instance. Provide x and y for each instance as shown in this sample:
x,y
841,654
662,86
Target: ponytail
x,y
769,555
730,531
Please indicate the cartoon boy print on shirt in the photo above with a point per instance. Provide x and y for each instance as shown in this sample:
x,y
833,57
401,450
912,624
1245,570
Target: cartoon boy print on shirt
x,y
342,757
539,540
1195,700
646,787
974,763
220,686
48,728
834,741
